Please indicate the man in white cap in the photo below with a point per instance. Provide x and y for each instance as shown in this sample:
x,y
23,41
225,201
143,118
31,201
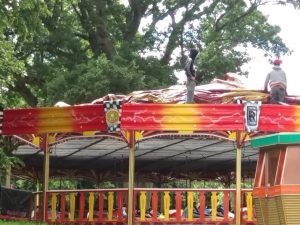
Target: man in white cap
x,y
276,79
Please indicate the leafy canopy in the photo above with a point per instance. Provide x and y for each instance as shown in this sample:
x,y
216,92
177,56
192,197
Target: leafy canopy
x,y
77,51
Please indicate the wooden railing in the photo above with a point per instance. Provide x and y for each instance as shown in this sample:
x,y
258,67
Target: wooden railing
x,y
151,205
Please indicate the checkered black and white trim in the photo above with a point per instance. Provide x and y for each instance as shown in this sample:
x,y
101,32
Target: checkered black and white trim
x,y
114,104
113,107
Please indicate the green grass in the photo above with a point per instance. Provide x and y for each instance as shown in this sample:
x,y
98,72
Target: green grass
x,y
4,222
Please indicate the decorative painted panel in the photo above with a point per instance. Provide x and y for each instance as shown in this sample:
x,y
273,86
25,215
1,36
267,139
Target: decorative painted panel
x,y
54,119
182,117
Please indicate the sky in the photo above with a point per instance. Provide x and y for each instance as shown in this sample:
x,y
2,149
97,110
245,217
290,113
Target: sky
x,y
286,17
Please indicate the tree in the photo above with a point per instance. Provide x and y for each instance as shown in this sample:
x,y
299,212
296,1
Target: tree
x,y
79,50
7,160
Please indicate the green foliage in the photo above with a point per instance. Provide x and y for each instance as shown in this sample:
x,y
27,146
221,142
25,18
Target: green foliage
x,y
227,35
4,222
94,79
24,185
63,184
6,158
156,75
9,65
77,51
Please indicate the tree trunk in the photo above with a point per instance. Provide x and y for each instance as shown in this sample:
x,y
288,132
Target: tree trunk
x,y
21,88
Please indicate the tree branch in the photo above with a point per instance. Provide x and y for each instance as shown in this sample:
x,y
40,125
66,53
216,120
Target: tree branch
x,y
133,20
21,88
231,6
251,9
81,35
189,15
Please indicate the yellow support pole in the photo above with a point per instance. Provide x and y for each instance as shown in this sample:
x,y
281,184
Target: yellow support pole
x,y
131,176
72,206
110,205
190,205
143,200
238,183
45,147
166,204
91,205
214,202
53,207
249,206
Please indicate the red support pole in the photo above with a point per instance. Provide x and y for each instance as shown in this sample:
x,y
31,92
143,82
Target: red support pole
x,y
45,213
226,206
178,206
234,205
154,205
100,206
81,206
135,193
202,205
62,206
120,205
242,204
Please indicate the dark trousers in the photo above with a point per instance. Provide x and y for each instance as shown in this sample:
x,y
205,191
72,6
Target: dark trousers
x,y
190,85
277,95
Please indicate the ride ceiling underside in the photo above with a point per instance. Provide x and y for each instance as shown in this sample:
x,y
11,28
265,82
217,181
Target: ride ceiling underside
x,y
172,140
157,159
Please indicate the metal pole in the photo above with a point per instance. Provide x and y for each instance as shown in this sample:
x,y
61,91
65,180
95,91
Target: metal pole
x,y
238,181
46,175
131,177
37,199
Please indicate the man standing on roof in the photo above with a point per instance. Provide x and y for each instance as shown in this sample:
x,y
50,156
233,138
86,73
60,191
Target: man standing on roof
x,y
191,75
277,81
